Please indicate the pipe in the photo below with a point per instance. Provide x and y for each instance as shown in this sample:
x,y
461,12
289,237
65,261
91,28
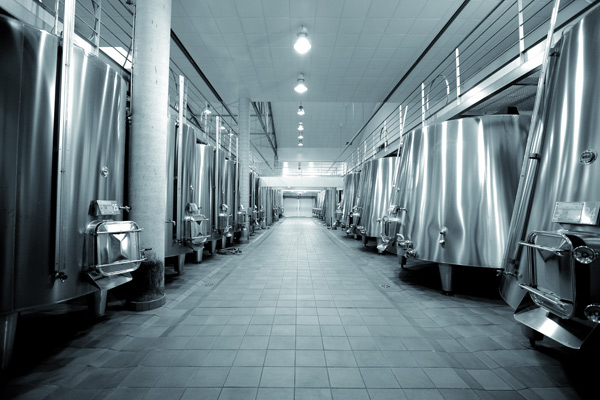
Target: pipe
x,y
531,162
414,65
199,71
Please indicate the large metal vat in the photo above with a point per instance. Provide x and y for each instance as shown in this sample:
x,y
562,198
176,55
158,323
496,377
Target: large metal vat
x,y
349,201
183,218
558,257
374,195
62,236
205,165
460,180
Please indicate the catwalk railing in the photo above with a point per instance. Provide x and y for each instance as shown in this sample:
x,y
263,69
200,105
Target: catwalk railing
x,y
504,46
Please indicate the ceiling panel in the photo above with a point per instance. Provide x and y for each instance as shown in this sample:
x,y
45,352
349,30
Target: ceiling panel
x,y
361,49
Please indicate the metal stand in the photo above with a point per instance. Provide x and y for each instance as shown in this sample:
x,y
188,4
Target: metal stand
x,y
245,233
446,278
180,263
97,302
8,327
198,254
213,247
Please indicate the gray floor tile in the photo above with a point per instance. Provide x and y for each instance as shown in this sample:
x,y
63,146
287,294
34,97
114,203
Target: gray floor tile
x,y
312,394
445,378
310,358
176,377
250,358
209,377
345,378
312,377
282,342
219,358
243,377
386,394
280,358
201,393
309,343
370,358
277,377
254,343
265,393
238,393
143,377
350,394
162,394
412,378
382,378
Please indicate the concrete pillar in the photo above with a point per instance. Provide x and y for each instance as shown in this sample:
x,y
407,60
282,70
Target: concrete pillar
x,y
244,164
148,141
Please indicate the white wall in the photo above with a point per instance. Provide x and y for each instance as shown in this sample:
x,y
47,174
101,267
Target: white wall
x,y
302,182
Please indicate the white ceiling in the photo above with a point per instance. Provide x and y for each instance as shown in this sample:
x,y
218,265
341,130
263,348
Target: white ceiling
x,y
360,50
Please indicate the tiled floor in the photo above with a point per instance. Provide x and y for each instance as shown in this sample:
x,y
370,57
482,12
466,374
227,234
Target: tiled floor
x,y
303,313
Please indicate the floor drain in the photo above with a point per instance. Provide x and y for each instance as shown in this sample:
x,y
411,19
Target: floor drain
x,y
208,284
385,286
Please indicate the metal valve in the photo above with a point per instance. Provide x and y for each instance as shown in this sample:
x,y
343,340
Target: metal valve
x,y
443,233
61,275
585,254
125,208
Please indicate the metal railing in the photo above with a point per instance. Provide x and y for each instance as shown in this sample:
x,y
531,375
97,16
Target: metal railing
x,y
507,32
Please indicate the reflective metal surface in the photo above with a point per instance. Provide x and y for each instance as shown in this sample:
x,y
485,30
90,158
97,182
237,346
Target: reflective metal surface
x,y
460,180
205,164
94,163
27,107
349,196
564,199
181,186
374,194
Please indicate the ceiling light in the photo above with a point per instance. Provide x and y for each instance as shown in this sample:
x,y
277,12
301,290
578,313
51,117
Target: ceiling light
x,y
300,86
300,143
207,111
300,136
302,44
300,110
300,126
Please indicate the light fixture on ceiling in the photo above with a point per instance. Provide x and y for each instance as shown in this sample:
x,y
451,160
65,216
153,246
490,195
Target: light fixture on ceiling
x,y
300,110
300,136
300,142
207,111
300,86
302,44
300,126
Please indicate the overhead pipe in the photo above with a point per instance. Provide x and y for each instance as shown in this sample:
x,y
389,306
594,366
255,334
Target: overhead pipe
x,y
265,127
199,71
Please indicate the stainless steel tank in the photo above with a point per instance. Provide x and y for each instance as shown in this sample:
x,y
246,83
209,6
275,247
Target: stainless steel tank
x,y
350,194
205,164
183,217
559,262
460,180
62,234
374,195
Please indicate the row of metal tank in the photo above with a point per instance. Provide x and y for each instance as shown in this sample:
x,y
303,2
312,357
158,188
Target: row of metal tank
x,y
62,195
501,192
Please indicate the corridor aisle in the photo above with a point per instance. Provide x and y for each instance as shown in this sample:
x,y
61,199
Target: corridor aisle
x,y
303,313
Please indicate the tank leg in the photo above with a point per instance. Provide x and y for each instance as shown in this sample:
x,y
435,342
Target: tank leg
x,y
531,334
224,242
97,302
245,233
180,263
213,247
8,327
198,254
446,278
364,239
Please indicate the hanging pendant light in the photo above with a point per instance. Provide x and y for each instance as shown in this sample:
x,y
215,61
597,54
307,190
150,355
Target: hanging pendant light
x,y
302,45
300,126
300,86
300,110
